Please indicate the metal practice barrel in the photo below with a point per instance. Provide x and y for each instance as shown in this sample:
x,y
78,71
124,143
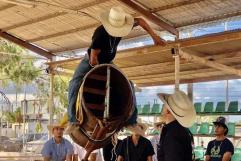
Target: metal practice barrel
x,y
104,104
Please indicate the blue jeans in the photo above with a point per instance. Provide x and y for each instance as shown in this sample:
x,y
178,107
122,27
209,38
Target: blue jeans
x,y
74,85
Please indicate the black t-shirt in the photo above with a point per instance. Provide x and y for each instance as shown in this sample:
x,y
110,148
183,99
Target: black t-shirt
x,y
109,152
106,43
175,143
216,149
140,152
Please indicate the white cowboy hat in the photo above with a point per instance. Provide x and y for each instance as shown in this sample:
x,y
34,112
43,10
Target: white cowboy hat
x,y
116,22
180,106
139,128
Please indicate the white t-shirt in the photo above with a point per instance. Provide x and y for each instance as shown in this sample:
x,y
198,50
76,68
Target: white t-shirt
x,y
154,141
80,151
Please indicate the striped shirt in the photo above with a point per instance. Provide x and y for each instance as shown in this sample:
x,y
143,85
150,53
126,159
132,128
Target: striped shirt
x,y
57,152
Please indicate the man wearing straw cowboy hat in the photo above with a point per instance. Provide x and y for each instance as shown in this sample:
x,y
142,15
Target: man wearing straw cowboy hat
x,y
57,148
136,147
115,24
221,148
175,141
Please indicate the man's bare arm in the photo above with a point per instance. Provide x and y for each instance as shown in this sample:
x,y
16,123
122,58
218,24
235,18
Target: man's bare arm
x,y
93,157
75,157
120,158
94,57
149,158
207,158
69,157
46,158
227,156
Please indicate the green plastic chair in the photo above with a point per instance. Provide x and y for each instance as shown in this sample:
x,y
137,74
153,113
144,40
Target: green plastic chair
x,y
154,132
199,148
139,109
236,157
146,109
199,154
208,108
156,109
204,128
212,130
193,129
220,107
231,129
237,150
198,107
233,106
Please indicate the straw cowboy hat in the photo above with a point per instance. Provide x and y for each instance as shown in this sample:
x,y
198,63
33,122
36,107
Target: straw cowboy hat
x,y
180,106
54,125
139,128
116,22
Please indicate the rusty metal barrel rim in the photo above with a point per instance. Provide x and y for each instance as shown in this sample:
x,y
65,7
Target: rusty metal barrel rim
x,y
105,85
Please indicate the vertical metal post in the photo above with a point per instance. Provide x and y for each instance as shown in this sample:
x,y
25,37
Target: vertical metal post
x,y
177,71
190,91
175,52
227,94
51,86
107,98
227,97
24,105
1,122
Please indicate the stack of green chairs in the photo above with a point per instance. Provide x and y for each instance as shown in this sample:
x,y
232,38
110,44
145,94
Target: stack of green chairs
x,y
236,157
204,128
233,107
198,107
237,150
139,109
156,109
212,131
208,108
220,108
231,129
193,129
154,132
199,153
146,109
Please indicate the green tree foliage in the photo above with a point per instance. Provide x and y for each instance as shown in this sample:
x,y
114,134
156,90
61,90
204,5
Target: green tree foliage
x,y
60,90
14,66
13,117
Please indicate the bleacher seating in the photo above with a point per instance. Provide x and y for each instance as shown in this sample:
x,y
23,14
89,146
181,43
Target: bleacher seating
x,y
194,129
220,107
156,109
146,109
139,109
199,153
236,157
198,107
204,128
208,108
231,129
233,107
